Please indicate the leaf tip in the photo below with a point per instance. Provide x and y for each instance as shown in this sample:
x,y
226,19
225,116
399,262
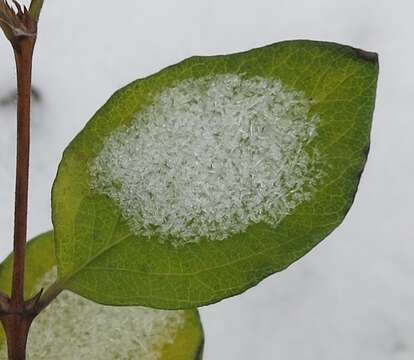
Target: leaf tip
x,y
368,56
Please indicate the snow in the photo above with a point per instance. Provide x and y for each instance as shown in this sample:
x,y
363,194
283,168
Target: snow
x,y
209,158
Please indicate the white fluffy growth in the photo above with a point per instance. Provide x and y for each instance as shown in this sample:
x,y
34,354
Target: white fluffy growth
x,y
75,328
210,157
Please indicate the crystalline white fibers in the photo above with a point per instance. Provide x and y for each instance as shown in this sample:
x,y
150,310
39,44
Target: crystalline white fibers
x,y
210,157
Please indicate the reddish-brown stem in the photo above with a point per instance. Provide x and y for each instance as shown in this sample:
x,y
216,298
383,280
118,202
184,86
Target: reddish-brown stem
x,y
16,315
23,51
17,329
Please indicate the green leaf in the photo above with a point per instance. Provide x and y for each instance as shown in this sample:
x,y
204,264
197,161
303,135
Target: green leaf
x,y
73,327
124,237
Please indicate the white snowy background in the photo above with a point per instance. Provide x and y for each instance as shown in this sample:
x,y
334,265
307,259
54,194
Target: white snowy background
x,y
353,296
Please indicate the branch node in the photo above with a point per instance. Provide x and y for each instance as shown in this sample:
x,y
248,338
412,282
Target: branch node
x,y
32,305
16,21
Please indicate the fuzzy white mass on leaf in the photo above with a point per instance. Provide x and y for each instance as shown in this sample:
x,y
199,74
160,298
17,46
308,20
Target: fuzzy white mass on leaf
x,y
210,157
76,328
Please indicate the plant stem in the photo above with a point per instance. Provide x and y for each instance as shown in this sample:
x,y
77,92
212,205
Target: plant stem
x,y
17,315
17,329
23,51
